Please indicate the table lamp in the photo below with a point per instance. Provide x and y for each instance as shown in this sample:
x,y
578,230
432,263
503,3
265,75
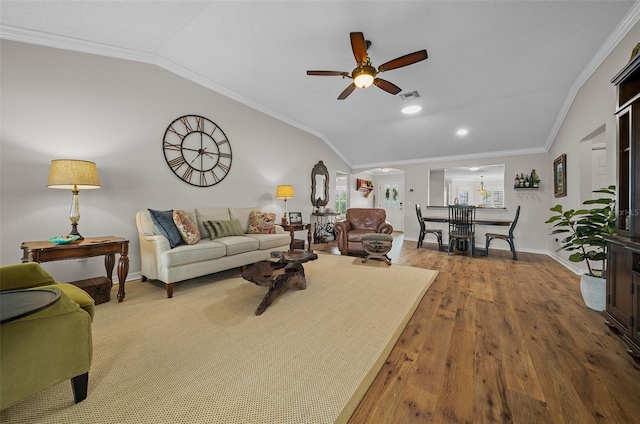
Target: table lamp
x,y
284,192
75,175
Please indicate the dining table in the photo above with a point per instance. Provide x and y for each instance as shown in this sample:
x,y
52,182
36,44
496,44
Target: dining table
x,y
476,221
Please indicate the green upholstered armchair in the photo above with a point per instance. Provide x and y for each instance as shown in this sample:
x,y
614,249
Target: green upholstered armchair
x,y
49,346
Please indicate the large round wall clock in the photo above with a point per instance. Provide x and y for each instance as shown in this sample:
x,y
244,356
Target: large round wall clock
x,y
197,150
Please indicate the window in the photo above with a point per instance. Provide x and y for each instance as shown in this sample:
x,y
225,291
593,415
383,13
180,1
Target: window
x,y
494,199
341,193
341,201
463,196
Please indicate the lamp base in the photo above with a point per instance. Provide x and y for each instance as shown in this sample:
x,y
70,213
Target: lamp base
x,y
74,231
284,220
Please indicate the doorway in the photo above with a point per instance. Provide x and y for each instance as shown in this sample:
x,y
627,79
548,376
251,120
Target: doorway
x,y
390,198
593,159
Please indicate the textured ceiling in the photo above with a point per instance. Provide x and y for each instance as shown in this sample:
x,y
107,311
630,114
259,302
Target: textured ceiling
x,y
505,70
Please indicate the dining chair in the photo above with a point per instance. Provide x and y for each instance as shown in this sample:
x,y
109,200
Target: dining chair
x,y
506,237
461,226
424,230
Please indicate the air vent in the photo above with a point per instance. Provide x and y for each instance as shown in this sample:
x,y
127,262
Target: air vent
x,y
409,96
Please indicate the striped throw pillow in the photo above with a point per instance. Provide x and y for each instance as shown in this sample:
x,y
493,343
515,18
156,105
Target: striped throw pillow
x,y
219,229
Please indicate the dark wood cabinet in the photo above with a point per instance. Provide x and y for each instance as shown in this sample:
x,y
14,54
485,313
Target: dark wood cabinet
x,y
619,305
623,263
623,291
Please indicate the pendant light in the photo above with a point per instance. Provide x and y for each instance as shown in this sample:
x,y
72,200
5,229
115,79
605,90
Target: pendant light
x,y
482,191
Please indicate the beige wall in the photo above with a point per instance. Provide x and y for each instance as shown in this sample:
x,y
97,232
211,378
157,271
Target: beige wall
x,y
592,108
62,104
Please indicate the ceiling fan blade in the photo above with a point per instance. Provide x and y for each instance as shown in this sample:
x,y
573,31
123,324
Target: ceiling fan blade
x,y
386,86
405,60
347,91
359,47
328,73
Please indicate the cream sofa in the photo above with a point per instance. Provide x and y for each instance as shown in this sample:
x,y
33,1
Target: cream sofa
x,y
160,262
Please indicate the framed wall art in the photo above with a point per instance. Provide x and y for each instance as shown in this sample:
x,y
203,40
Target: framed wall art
x,y
560,176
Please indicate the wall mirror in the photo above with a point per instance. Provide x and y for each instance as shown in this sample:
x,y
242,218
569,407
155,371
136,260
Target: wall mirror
x,y
482,186
319,185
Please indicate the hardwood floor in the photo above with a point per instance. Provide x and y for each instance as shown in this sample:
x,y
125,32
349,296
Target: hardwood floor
x,y
500,341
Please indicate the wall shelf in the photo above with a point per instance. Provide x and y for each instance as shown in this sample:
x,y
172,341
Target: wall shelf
x,y
364,186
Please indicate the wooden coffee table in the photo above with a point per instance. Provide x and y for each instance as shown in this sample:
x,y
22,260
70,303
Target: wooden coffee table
x,y
279,276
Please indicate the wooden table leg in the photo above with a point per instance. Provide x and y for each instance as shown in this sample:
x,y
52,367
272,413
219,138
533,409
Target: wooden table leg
x,y
123,270
109,262
309,237
292,234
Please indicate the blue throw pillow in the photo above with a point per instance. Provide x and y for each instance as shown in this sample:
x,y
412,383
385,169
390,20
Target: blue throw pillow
x,y
163,221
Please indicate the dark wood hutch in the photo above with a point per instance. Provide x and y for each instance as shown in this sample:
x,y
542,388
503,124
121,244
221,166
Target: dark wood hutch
x,y
623,263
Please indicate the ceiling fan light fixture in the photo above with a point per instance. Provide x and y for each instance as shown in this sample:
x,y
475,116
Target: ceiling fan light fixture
x,y
363,76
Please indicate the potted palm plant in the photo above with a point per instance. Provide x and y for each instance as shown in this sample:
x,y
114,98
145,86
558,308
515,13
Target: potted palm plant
x,y
585,230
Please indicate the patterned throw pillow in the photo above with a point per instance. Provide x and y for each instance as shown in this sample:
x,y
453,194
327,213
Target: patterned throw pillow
x,y
164,224
219,229
262,223
186,226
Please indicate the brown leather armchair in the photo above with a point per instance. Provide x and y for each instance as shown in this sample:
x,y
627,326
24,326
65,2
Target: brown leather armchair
x,y
360,221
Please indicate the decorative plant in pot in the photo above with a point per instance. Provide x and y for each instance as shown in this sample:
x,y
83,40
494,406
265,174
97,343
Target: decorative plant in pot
x,y
585,229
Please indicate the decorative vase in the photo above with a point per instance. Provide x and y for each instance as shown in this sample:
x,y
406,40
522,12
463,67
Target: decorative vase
x,y
594,292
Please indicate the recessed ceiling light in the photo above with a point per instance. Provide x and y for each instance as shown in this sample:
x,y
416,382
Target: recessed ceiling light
x,y
474,168
411,109
462,131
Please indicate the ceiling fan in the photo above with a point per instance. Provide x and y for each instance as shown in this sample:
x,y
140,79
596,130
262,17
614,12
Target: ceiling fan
x,y
365,74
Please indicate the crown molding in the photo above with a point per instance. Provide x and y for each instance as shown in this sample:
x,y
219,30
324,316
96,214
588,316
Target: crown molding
x,y
484,155
66,43
81,46
610,43
50,40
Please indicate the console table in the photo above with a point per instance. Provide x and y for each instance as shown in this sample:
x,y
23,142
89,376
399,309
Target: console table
x,y
107,246
323,226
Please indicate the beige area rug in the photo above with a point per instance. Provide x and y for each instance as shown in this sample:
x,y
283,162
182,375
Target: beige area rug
x,y
204,357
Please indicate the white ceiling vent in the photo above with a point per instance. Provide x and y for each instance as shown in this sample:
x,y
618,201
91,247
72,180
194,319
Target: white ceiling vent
x,y
409,96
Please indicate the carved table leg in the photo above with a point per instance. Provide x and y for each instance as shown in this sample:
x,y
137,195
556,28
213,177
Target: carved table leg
x,y
123,270
109,262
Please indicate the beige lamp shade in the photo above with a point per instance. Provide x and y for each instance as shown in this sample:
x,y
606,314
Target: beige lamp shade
x,y
284,192
71,173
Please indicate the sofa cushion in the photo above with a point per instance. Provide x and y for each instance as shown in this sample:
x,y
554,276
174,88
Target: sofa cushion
x,y
262,223
242,215
186,226
204,250
210,214
271,241
217,229
164,224
239,244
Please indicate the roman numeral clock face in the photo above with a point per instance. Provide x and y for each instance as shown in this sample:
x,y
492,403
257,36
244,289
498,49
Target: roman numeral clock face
x,y
197,150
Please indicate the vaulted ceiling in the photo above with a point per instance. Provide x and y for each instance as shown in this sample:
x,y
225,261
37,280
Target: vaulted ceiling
x,y
504,70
